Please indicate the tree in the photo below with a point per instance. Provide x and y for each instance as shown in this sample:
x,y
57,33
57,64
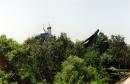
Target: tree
x,y
7,52
118,50
92,57
13,60
102,43
47,55
75,71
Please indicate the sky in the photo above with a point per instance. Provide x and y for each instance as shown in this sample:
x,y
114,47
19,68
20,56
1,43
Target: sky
x,y
21,19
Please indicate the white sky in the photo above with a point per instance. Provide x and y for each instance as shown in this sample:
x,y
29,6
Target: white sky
x,y
20,19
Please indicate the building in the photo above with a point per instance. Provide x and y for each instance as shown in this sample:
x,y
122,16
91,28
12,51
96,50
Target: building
x,y
47,33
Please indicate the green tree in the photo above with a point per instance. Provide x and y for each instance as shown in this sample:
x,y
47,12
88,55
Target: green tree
x,y
17,57
48,54
102,43
118,50
8,49
75,71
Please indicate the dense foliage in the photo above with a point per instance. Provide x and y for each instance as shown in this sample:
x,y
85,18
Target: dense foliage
x,y
58,60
